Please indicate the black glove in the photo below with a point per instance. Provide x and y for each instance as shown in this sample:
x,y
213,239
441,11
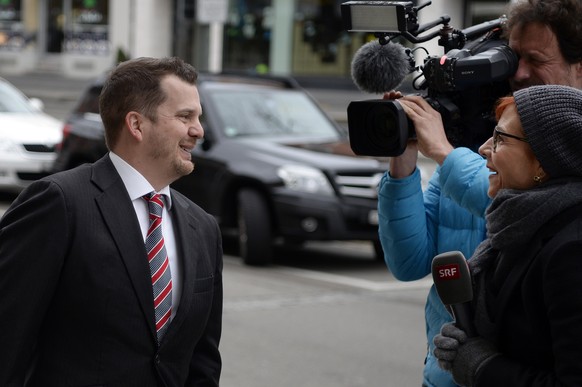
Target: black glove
x,y
461,355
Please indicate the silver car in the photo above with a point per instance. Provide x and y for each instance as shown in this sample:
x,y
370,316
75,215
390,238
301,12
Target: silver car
x,y
28,139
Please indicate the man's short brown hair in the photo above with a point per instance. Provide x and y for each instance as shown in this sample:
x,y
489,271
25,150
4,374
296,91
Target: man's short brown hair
x,y
134,85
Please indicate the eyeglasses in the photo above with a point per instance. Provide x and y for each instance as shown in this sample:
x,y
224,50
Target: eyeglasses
x,y
497,133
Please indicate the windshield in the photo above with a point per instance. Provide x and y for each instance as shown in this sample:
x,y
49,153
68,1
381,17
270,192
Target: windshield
x,y
270,113
12,101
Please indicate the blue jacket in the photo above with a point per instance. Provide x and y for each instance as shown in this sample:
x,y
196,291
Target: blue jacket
x,y
415,226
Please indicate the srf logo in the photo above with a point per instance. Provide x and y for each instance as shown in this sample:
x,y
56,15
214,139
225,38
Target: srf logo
x,y
448,272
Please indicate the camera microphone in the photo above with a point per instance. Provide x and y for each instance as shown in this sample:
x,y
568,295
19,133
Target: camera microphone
x,y
452,279
379,68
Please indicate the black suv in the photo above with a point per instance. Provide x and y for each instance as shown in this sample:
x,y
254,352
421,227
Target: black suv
x,y
272,167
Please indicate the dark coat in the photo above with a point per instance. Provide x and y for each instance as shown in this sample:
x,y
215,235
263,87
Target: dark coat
x,y
76,295
535,301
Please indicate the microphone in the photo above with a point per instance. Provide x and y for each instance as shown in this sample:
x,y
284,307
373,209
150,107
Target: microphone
x,y
452,279
379,68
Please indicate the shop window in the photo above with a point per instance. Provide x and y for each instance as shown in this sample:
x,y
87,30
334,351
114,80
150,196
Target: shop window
x,y
321,46
88,31
247,35
12,37
322,27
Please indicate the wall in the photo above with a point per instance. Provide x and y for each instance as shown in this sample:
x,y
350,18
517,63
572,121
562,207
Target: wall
x,y
142,27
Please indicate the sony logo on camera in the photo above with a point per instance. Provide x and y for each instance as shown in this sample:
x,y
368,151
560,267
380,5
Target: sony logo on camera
x,y
461,85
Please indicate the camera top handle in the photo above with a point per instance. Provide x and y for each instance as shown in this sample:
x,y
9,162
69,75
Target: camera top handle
x,y
450,38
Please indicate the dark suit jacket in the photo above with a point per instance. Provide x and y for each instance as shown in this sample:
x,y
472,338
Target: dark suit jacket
x,y
537,310
76,301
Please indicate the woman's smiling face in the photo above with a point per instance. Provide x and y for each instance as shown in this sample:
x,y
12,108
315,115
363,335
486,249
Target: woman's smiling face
x,y
511,160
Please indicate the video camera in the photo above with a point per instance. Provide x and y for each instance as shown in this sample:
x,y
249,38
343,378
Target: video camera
x,y
462,85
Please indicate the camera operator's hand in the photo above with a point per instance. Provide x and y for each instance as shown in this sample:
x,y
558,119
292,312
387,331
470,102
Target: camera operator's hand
x,y
428,124
392,95
403,165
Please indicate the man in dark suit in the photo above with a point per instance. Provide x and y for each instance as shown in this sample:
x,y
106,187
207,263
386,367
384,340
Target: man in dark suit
x,y
100,287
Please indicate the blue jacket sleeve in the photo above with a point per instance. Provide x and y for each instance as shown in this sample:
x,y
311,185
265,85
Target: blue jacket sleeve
x,y
410,226
464,178
406,226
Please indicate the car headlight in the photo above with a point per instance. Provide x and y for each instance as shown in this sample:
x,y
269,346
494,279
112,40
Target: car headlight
x,y
8,146
305,179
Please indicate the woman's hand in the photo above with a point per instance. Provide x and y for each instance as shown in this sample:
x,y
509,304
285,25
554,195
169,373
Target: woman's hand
x,y
403,165
461,355
428,124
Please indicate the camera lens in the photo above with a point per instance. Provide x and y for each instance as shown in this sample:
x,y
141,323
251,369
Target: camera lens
x,y
383,123
377,128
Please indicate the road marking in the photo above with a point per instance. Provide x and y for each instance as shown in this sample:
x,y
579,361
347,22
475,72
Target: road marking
x,y
278,302
358,283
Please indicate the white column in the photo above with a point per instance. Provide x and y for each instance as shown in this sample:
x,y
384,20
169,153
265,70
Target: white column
x,y
281,37
153,28
121,26
215,47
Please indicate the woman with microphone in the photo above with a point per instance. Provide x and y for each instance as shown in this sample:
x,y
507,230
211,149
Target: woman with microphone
x,y
527,274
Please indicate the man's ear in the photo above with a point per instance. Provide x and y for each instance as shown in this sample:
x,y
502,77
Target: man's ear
x,y
134,125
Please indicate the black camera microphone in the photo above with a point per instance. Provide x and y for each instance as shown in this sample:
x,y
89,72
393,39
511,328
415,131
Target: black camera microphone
x,y
452,279
379,68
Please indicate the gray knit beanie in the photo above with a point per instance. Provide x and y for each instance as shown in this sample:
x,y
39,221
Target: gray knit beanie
x,y
551,117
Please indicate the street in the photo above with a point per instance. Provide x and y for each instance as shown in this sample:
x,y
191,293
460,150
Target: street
x,y
326,315
323,315
321,319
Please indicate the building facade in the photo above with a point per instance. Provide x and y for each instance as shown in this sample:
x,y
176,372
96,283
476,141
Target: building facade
x,y
83,38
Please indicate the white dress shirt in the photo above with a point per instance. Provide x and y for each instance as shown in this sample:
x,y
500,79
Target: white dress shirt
x,y
137,186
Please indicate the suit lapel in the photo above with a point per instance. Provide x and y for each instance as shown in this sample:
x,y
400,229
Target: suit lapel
x,y
187,238
119,216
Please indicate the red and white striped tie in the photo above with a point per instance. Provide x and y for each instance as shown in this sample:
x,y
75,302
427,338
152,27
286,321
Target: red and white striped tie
x,y
159,264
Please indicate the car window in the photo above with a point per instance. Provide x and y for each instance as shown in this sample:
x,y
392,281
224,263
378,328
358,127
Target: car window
x,y
269,113
12,101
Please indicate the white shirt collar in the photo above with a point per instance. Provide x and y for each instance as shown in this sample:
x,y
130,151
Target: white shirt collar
x,y
135,184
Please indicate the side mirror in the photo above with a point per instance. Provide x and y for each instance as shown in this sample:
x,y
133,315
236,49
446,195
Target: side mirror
x,y
37,103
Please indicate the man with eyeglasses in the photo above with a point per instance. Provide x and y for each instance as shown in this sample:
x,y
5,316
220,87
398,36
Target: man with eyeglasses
x,y
414,226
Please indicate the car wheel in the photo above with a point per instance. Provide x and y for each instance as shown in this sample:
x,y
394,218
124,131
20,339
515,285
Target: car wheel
x,y
254,228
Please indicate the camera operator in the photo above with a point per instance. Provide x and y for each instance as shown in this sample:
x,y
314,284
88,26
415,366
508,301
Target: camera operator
x,y
415,226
